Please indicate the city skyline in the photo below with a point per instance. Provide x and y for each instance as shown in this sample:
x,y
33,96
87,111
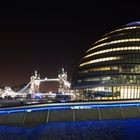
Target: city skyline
x,y
48,36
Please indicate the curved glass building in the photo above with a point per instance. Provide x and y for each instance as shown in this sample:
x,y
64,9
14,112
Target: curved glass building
x,y
110,69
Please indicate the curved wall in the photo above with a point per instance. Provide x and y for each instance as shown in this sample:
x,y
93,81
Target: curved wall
x,y
110,69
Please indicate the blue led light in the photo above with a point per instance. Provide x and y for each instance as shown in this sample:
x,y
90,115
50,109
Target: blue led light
x,y
67,107
59,108
3,112
15,111
118,105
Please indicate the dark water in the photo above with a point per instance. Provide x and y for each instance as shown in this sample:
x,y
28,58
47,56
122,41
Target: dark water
x,y
97,130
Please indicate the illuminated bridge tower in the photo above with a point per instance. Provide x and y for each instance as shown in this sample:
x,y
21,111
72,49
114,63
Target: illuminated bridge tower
x,y
34,87
63,88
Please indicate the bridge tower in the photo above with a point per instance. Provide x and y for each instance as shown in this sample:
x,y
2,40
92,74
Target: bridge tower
x,y
62,75
34,87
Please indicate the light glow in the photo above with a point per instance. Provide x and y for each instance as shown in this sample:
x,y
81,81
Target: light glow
x,y
99,69
99,60
113,50
127,28
64,107
115,42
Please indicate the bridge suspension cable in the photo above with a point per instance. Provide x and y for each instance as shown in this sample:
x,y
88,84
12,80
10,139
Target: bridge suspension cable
x,y
23,89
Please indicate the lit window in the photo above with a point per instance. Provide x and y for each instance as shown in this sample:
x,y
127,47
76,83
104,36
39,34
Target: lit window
x,y
115,42
100,60
113,50
127,28
101,40
99,69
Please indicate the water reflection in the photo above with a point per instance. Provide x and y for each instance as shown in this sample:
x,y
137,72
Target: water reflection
x,y
97,130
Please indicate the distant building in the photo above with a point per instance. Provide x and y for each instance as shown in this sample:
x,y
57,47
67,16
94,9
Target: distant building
x,y
110,69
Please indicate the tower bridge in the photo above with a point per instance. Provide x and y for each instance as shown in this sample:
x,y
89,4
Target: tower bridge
x,y
34,85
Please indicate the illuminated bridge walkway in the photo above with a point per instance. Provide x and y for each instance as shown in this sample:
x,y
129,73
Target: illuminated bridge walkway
x,y
69,112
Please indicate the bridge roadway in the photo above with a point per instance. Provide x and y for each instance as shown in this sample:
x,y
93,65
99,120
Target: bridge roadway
x,y
32,115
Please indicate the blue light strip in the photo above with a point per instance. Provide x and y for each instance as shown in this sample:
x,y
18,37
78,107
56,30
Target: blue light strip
x,y
15,111
3,112
68,107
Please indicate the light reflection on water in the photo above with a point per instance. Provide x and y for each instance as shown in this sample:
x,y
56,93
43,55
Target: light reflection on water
x,y
96,130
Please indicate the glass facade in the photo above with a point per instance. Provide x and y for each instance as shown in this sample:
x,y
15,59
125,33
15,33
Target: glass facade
x,y
110,68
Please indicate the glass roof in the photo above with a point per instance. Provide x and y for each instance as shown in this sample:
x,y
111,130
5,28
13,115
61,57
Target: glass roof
x,y
136,23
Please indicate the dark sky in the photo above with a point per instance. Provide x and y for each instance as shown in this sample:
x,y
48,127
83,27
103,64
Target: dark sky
x,y
54,34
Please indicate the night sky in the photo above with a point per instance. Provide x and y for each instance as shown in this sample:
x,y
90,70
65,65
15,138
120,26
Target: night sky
x,y
54,34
